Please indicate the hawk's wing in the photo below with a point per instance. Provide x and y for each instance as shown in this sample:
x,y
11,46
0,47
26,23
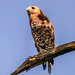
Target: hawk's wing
x,y
43,34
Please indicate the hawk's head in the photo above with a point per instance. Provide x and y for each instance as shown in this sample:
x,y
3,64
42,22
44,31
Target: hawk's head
x,y
33,10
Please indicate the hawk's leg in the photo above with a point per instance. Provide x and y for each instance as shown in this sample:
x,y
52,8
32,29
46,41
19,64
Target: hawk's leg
x,y
37,54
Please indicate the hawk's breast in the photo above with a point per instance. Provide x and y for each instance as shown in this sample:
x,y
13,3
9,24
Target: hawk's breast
x,y
43,34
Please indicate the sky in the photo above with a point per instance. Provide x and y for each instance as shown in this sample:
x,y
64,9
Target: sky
x,y
16,41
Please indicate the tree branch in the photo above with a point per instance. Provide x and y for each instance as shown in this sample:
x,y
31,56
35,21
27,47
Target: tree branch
x,y
35,61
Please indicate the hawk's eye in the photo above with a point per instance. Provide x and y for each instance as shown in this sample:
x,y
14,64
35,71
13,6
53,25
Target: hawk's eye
x,y
33,7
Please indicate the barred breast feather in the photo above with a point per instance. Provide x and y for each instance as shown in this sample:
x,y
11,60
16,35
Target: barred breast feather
x,y
43,33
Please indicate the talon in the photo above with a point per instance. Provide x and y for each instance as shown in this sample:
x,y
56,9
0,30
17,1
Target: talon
x,y
35,55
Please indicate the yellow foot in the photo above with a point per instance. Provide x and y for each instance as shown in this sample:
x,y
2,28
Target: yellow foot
x,y
37,54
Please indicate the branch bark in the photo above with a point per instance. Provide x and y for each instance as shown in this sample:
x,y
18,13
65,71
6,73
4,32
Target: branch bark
x,y
35,61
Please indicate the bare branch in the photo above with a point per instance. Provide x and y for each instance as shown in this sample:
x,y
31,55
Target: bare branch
x,y
35,61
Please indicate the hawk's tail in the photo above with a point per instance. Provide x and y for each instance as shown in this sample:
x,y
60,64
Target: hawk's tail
x,y
44,65
50,62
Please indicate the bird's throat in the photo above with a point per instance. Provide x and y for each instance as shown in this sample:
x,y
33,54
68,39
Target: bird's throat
x,y
32,17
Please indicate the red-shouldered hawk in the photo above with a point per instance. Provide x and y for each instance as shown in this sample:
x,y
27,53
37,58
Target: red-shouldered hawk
x,y
42,32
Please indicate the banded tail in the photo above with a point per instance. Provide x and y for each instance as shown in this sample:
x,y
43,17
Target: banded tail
x,y
50,62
